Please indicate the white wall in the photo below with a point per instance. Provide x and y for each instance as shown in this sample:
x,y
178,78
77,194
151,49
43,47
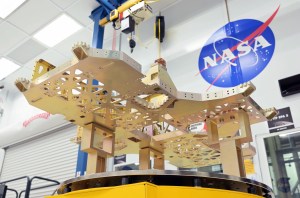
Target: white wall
x,y
16,112
2,156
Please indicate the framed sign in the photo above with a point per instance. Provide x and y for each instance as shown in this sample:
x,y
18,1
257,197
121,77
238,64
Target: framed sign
x,y
283,121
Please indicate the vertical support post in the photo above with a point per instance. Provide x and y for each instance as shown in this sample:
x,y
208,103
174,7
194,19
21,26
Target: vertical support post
x,y
95,163
244,124
232,158
213,133
97,42
92,155
81,156
144,158
159,162
97,154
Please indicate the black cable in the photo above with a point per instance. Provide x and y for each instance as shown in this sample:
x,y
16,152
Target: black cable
x,y
114,26
227,11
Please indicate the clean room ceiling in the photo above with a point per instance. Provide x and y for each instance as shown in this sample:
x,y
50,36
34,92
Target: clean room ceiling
x,y
17,42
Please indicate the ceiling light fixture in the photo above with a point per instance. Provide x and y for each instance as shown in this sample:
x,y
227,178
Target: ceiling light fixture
x,y
58,30
8,6
7,67
288,134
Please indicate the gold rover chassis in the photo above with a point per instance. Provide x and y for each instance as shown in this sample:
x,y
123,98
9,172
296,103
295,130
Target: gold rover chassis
x,y
105,93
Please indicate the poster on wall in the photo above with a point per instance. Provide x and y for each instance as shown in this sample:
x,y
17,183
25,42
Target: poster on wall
x,y
120,159
283,121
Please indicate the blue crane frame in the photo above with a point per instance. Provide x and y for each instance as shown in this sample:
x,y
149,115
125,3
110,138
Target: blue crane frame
x,y
106,6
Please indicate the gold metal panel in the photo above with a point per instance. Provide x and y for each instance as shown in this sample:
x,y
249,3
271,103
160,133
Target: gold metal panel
x,y
107,88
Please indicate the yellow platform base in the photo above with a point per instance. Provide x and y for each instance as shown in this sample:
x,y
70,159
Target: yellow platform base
x,y
148,190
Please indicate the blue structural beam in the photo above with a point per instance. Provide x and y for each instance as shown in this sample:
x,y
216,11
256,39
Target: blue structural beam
x,y
98,34
81,162
107,4
101,12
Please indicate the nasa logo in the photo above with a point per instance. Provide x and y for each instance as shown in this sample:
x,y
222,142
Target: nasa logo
x,y
237,52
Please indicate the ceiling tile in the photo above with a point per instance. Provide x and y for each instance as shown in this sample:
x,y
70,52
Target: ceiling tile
x,y
9,37
27,51
63,4
34,14
65,47
82,10
50,56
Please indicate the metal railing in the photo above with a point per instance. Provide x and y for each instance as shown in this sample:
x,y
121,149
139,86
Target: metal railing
x,y
28,188
295,189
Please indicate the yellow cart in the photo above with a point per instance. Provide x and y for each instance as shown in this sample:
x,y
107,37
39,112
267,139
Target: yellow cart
x,y
158,184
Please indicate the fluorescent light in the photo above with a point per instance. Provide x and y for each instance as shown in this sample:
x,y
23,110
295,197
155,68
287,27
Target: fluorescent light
x,y
7,67
8,6
58,30
287,134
